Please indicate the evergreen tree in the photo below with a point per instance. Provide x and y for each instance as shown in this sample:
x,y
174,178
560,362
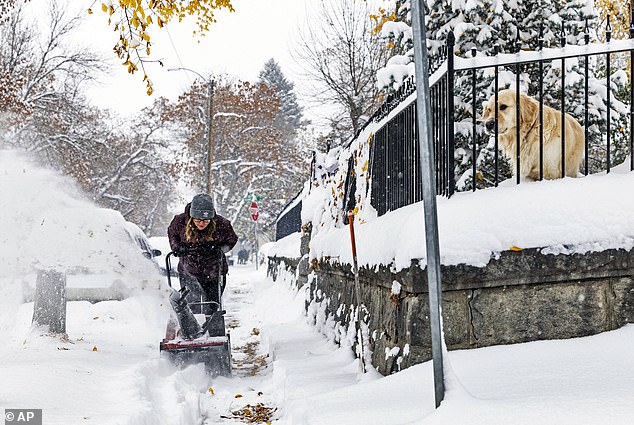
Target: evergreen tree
x,y
290,114
510,26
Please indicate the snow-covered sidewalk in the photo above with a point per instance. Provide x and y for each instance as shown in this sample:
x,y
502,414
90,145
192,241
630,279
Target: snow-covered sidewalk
x,y
109,372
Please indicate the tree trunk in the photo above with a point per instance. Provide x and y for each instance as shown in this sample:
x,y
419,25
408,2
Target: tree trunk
x,y
49,306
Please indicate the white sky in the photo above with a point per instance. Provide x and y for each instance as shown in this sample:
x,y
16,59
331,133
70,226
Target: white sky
x,y
238,44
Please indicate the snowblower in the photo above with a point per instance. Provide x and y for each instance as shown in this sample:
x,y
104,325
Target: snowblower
x,y
188,342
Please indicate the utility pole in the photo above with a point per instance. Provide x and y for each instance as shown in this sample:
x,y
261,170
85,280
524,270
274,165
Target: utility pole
x,y
425,141
209,133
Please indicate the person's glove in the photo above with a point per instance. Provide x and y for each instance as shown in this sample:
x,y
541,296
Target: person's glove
x,y
180,251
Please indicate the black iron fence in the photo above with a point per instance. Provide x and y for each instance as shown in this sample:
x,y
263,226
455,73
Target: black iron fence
x,y
290,219
394,157
459,136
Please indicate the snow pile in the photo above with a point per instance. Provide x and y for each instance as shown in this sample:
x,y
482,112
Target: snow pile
x,y
288,246
47,223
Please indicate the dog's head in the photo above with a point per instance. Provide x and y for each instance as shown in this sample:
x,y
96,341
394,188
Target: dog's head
x,y
506,112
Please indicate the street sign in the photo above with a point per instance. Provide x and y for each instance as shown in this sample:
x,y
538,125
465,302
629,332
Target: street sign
x,y
253,209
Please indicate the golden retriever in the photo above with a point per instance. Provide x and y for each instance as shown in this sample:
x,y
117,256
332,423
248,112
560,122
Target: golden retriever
x,y
529,136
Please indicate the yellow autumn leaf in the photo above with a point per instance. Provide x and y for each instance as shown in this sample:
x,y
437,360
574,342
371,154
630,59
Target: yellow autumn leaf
x,y
104,7
365,167
89,11
94,348
211,390
139,10
515,248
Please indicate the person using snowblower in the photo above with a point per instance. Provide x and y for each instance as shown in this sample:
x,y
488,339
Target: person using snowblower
x,y
200,238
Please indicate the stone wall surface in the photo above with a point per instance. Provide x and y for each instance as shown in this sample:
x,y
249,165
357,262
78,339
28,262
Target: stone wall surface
x,y
518,297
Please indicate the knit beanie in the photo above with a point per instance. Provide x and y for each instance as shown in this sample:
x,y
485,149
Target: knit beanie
x,y
202,207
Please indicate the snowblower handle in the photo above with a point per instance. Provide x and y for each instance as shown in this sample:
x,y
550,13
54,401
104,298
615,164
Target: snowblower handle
x,y
168,268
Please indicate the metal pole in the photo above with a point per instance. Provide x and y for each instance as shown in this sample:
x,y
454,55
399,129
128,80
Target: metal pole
x,y
210,148
257,248
208,126
429,195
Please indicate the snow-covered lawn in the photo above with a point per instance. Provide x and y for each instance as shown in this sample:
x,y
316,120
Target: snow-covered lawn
x,y
109,371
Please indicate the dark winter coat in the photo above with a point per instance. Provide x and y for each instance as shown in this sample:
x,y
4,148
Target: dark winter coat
x,y
202,265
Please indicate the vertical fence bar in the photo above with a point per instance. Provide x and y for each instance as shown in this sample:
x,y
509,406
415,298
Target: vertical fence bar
x,y
474,129
387,190
540,43
434,114
563,104
393,164
517,109
496,50
412,164
631,89
586,121
440,104
381,186
608,35
438,100
450,113
400,156
437,148
419,176
444,134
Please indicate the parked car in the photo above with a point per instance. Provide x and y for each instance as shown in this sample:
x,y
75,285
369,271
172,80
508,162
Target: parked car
x,y
142,241
103,256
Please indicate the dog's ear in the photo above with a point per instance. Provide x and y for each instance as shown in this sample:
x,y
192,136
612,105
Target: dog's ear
x,y
529,113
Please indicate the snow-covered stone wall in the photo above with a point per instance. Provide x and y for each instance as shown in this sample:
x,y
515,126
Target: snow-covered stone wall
x,y
521,296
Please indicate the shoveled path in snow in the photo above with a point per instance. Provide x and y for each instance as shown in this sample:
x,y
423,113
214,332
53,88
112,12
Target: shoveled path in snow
x,y
278,358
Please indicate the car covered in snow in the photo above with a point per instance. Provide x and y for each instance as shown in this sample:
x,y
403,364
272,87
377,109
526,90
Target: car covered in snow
x,y
103,256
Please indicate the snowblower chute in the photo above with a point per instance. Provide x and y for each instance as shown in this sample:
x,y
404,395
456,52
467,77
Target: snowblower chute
x,y
186,342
